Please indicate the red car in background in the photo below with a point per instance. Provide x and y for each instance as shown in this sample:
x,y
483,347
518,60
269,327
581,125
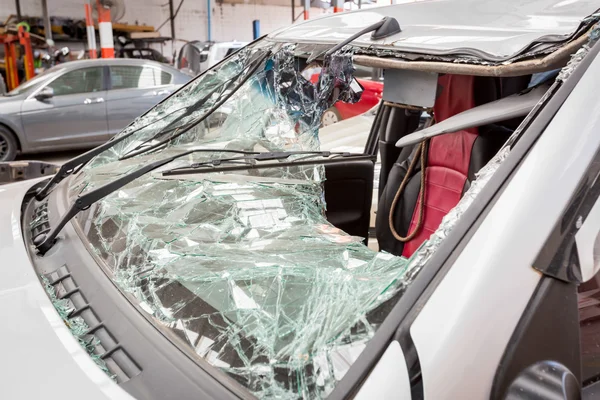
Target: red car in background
x,y
371,81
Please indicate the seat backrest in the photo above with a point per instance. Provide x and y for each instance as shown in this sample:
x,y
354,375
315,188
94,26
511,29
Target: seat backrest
x,y
451,163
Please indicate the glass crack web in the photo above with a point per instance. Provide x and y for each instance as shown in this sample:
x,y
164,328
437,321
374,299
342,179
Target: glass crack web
x,y
243,267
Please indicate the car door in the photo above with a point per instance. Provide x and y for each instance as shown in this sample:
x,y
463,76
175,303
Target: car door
x,y
349,186
134,89
74,115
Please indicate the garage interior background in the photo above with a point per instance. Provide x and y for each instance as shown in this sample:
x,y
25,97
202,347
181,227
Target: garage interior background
x,y
230,19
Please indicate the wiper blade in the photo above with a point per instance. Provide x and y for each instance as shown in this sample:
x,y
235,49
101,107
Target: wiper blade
x,y
192,124
75,164
250,162
44,242
381,29
252,158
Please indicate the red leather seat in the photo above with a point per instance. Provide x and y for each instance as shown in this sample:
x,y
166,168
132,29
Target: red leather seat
x,y
451,163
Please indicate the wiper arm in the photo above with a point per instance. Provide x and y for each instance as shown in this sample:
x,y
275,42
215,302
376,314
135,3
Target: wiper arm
x,y
386,27
250,158
312,158
75,164
44,242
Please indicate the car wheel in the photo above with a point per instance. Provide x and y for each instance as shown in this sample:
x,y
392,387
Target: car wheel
x,y
8,145
330,116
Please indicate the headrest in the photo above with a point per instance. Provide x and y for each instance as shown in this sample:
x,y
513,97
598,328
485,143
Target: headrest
x,y
456,94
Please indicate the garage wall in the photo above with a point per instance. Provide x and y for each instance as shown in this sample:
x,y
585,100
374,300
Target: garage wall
x,y
230,21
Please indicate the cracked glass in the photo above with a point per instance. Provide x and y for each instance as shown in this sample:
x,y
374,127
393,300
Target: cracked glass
x,y
242,269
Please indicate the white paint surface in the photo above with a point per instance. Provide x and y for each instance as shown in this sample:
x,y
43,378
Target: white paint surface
x,y
389,379
463,330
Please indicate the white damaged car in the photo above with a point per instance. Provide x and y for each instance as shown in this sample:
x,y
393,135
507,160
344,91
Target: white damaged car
x,y
204,254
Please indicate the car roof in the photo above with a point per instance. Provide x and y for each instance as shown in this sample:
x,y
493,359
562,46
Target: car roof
x,y
489,30
201,44
230,44
115,61
111,61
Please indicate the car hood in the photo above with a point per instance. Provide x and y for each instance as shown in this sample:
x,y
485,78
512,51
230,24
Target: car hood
x,y
7,100
494,31
45,360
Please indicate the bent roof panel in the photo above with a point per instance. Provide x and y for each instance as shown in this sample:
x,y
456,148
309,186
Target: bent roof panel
x,y
492,30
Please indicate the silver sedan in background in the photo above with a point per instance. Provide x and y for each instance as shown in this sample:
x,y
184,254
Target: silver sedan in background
x,y
81,104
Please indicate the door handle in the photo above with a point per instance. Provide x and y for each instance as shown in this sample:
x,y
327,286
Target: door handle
x,y
161,92
93,100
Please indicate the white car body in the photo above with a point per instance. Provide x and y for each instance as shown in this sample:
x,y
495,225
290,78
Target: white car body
x,y
33,327
466,321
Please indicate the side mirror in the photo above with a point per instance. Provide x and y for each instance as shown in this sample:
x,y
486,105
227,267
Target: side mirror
x,y
45,94
544,380
203,56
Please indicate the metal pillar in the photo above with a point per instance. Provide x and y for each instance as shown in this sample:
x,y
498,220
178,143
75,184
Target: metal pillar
x,y
256,29
172,14
18,7
107,44
10,60
209,26
306,9
47,25
293,11
338,6
25,42
90,31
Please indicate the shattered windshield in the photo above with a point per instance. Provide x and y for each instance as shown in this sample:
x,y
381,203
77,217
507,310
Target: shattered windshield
x,y
242,268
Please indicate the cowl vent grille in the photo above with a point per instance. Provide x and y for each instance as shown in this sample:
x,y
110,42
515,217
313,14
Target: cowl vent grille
x,y
85,325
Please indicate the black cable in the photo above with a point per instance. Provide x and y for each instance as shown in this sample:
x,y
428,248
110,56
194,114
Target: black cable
x,y
174,15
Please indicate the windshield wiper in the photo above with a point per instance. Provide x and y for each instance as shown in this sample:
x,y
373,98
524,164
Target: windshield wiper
x,y
255,162
44,242
386,27
75,164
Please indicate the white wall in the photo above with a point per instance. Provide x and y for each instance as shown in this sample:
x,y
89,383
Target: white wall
x,y
229,21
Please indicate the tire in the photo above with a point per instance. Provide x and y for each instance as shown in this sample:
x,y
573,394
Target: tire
x,y
330,116
8,145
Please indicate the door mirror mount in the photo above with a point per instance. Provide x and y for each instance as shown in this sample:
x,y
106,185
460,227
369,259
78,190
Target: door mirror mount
x,y
45,93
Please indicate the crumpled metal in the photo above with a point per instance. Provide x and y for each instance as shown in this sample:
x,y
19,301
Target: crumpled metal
x,y
580,54
243,267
